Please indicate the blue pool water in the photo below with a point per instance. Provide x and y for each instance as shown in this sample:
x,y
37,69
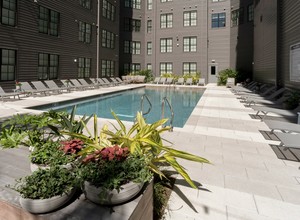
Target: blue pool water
x,y
126,104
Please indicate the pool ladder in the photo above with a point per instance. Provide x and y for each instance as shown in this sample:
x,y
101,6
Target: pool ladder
x,y
142,104
164,102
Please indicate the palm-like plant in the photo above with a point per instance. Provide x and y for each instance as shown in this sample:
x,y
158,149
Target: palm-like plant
x,y
145,139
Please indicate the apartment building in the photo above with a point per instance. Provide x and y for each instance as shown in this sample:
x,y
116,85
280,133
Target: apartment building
x,y
180,37
55,39
277,42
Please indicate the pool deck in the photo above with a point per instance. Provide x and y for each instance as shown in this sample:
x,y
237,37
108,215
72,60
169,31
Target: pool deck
x,y
246,180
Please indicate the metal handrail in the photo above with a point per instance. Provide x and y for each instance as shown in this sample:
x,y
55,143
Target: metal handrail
x,y
142,104
165,100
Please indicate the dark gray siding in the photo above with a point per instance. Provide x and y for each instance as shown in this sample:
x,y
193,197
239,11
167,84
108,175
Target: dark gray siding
x,y
28,42
265,41
289,34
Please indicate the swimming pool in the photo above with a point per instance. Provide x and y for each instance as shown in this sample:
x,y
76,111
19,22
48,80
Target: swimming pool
x,y
126,104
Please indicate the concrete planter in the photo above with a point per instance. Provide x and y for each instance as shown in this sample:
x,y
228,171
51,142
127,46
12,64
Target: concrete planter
x,y
34,167
46,205
111,197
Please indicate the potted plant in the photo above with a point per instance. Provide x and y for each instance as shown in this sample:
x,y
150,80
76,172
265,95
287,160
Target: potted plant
x,y
54,153
113,175
46,190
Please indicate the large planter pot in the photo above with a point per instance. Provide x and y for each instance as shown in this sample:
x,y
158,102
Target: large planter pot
x,y
111,197
46,205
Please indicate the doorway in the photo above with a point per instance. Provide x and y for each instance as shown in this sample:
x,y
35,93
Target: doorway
x,y
213,72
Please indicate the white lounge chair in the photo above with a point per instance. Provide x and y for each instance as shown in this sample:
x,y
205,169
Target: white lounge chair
x,y
162,80
230,82
282,112
169,80
26,87
52,85
85,83
288,140
4,94
180,81
201,82
189,81
285,127
156,80
41,87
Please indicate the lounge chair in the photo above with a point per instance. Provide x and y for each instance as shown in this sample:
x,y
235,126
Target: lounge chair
x,y
250,87
288,140
156,80
201,81
283,112
255,95
285,127
230,82
108,82
52,85
169,80
254,90
102,83
141,79
40,86
85,83
189,81
26,87
162,80
114,81
260,99
4,94
180,81
69,85
76,83
120,81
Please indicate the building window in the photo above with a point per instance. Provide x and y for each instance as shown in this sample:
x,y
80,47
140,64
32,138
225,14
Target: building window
x,y
190,68
85,3
149,48
149,4
218,20
48,21
250,12
237,17
136,4
149,66
218,0
132,47
108,68
84,67
166,20
85,32
165,68
48,66
108,39
189,18
8,12
149,26
7,64
132,25
131,67
166,45
108,10
166,0
189,44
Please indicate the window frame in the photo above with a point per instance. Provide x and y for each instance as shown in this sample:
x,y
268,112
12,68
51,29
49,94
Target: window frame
x,y
189,70
84,67
52,27
10,11
86,4
218,20
188,44
9,63
107,68
165,67
188,20
166,45
85,33
166,20
46,66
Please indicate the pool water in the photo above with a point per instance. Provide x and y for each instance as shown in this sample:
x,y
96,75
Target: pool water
x,y
126,104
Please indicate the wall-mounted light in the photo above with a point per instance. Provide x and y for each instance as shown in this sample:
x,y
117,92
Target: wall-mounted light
x,y
213,61
36,1
75,60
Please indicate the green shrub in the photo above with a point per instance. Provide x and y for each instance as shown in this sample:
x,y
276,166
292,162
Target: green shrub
x,y
194,76
225,74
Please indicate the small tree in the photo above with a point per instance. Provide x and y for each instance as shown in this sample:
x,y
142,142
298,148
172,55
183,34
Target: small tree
x,y
225,74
